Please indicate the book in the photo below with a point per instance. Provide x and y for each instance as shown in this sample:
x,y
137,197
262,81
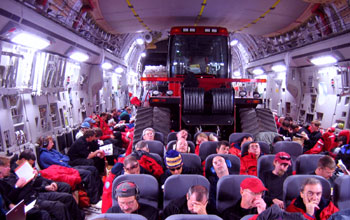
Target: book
x,y
108,149
25,171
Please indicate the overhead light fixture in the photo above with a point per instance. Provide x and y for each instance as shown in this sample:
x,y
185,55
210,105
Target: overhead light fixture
x,y
236,73
258,71
140,41
234,42
143,54
79,56
31,40
279,68
323,60
106,66
119,70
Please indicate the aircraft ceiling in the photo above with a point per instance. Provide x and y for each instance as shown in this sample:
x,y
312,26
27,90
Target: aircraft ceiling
x,y
133,16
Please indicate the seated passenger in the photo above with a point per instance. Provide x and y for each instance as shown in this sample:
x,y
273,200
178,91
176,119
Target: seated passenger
x,y
326,167
83,127
148,134
344,152
182,134
273,180
312,135
91,121
219,169
235,148
311,203
249,161
251,202
182,146
127,195
142,145
130,165
223,147
201,137
194,202
174,165
286,130
52,197
126,115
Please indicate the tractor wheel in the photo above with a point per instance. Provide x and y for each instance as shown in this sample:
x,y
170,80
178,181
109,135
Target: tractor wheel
x,y
257,120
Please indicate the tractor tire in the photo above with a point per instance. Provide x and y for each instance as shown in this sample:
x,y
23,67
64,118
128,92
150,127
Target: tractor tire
x,y
254,121
151,117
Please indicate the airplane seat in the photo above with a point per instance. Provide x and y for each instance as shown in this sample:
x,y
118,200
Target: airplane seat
x,y
228,191
233,166
171,146
177,186
341,193
208,133
294,149
191,160
156,147
194,217
118,216
207,148
264,147
75,131
147,184
265,163
61,141
247,217
158,158
307,163
37,152
69,139
291,187
159,136
172,136
237,137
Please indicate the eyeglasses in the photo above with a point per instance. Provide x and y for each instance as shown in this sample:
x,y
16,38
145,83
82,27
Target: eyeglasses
x,y
132,167
285,158
173,169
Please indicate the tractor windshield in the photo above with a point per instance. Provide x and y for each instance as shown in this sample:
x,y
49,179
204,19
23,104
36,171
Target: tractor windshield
x,y
199,54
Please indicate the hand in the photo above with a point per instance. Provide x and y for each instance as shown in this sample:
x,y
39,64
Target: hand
x,y
279,203
112,136
54,185
260,205
35,173
21,182
199,208
304,135
310,208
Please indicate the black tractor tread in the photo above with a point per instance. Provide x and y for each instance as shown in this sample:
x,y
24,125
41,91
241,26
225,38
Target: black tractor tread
x,y
257,120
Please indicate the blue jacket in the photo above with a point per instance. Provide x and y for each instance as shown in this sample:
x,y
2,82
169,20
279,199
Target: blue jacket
x,y
50,157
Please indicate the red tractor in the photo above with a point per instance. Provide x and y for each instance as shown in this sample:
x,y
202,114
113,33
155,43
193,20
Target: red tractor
x,y
197,93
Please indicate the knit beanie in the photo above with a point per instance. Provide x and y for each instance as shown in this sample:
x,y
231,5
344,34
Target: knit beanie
x,y
173,159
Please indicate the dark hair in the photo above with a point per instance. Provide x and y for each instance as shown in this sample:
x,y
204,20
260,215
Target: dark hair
x,y
4,161
326,162
343,139
140,145
44,141
98,131
89,133
309,181
129,159
222,143
103,114
27,154
277,139
200,192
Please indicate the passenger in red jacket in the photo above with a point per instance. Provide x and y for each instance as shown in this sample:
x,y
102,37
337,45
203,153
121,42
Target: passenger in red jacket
x,y
311,203
249,161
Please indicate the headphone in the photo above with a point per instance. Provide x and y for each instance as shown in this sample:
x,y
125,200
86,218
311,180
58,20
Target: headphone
x,y
46,142
228,163
120,192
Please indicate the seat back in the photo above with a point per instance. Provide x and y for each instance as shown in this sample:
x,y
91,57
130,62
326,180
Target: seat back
x,y
61,141
159,136
37,152
207,148
246,217
341,193
172,137
156,147
177,186
264,147
307,163
170,145
237,137
75,131
228,191
69,139
294,149
118,216
206,132
233,168
265,163
196,217
191,160
291,187
147,184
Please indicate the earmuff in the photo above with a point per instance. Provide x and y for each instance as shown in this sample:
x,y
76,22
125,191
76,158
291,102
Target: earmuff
x,y
45,142
228,164
122,192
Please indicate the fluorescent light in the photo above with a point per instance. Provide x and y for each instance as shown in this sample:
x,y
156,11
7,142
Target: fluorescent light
x,y
79,56
106,65
234,42
139,41
279,68
31,40
143,54
323,60
258,71
119,70
236,73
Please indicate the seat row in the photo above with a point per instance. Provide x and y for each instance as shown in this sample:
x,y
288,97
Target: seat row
x,y
123,216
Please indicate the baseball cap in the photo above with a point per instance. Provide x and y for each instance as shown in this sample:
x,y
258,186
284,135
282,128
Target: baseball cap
x,y
89,120
126,189
253,184
283,157
85,125
173,159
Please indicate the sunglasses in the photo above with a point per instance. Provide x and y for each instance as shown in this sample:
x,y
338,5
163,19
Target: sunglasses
x,y
173,169
285,158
